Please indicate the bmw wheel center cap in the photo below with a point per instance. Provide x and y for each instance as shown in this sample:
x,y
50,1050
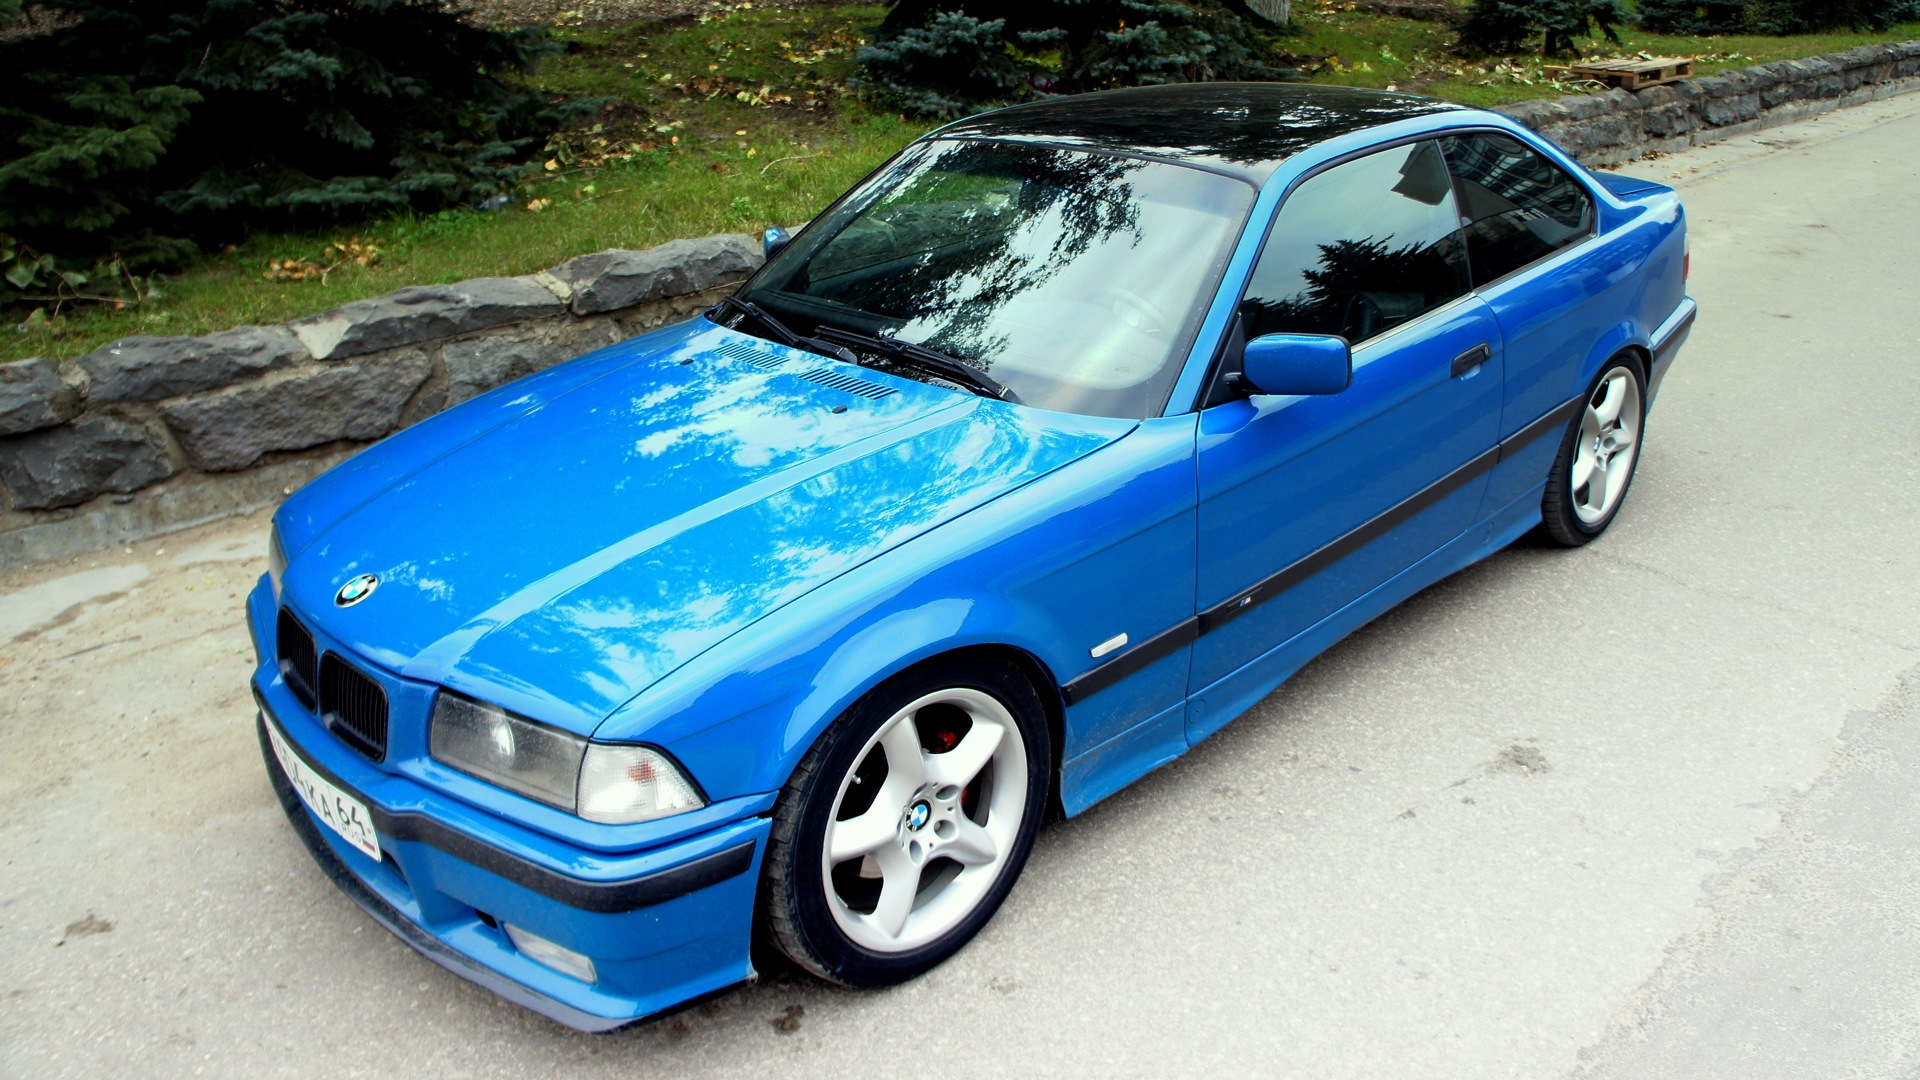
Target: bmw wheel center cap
x,y
356,590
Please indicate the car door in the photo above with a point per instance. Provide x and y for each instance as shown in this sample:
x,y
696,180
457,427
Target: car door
x,y
1553,295
1307,503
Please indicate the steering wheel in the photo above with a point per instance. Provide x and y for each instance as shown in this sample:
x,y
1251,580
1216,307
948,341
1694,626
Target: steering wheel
x,y
1136,311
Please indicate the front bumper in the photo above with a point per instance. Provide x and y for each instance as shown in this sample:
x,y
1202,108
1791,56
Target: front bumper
x,y
676,931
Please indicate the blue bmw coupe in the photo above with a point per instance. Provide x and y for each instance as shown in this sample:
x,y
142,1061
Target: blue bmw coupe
x,y
1055,444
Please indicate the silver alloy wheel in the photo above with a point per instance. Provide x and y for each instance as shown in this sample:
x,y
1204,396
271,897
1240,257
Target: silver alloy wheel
x,y
1608,441
936,834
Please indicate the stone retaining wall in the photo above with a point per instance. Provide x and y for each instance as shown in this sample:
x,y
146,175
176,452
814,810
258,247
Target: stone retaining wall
x,y
1620,125
150,434
155,433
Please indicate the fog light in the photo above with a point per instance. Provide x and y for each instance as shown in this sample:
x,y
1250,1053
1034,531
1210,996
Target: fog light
x,y
541,951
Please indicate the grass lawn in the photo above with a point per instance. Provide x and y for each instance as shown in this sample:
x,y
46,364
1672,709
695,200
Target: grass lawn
x,y
733,122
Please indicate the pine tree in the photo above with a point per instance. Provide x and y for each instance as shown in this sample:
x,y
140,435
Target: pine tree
x,y
931,57
138,126
1504,26
1772,16
1693,16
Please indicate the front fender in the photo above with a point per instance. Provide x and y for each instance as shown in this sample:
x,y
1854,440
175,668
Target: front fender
x,y
1048,570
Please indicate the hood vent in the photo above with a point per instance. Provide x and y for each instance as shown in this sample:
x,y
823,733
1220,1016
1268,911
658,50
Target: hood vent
x,y
747,354
851,384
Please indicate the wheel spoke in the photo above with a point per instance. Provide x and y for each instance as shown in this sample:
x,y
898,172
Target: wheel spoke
x,y
1588,474
1614,392
973,845
961,764
899,883
1596,487
1616,479
855,837
906,762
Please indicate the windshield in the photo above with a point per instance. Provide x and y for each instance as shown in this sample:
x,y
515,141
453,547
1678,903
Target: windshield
x,y
1076,280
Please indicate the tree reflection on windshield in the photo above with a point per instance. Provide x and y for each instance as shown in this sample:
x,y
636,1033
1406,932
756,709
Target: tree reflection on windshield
x,y
1073,278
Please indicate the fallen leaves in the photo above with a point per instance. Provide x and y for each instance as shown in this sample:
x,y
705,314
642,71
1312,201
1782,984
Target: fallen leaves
x,y
339,253
595,147
752,93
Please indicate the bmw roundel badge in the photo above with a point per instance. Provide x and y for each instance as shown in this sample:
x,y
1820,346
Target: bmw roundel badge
x,y
356,590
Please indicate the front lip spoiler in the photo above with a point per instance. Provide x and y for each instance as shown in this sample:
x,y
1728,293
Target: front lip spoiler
x,y
405,929
418,938
600,897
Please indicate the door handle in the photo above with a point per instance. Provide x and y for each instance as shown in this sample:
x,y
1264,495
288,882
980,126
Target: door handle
x,y
1471,359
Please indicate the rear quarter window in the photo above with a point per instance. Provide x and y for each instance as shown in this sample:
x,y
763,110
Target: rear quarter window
x,y
1516,206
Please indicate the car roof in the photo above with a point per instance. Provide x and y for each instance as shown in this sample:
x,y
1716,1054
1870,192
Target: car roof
x,y
1244,129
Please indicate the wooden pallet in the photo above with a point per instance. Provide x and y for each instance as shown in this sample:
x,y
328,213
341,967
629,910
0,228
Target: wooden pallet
x,y
1629,74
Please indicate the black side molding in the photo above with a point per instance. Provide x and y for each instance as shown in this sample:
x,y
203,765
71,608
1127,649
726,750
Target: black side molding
x,y
1555,420
1213,618
1157,647
1299,571
602,897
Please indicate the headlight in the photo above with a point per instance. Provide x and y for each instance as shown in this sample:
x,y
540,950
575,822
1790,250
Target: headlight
x,y
494,745
276,560
601,782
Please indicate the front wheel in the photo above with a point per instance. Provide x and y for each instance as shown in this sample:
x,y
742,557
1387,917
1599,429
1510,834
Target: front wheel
x,y
1595,466
906,824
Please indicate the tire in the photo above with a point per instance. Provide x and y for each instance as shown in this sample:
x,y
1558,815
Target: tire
x,y
927,844
1598,456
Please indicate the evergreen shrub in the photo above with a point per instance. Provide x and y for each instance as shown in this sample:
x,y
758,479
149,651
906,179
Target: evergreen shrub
x,y
936,58
138,129
1773,16
1506,26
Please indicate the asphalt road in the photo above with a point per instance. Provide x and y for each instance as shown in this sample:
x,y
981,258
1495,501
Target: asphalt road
x,y
1651,808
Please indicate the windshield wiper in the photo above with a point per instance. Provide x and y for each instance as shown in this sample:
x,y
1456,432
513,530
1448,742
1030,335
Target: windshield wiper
x,y
787,335
938,362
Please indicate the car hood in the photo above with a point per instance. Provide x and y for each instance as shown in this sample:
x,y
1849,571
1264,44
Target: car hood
x,y
564,559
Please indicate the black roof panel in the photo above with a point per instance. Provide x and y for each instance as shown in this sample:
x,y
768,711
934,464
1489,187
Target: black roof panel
x,y
1244,128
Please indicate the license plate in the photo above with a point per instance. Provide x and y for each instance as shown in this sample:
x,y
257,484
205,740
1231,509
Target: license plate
x,y
341,812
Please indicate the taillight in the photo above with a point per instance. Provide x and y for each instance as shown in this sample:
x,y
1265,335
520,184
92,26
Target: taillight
x,y
1686,262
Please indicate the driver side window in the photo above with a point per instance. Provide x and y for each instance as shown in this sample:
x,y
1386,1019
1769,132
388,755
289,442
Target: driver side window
x,y
1360,249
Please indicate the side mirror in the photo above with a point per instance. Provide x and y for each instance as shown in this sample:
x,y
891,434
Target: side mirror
x,y
1297,364
774,239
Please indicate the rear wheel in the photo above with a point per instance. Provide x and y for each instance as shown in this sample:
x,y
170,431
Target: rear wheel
x,y
1597,458
906,824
